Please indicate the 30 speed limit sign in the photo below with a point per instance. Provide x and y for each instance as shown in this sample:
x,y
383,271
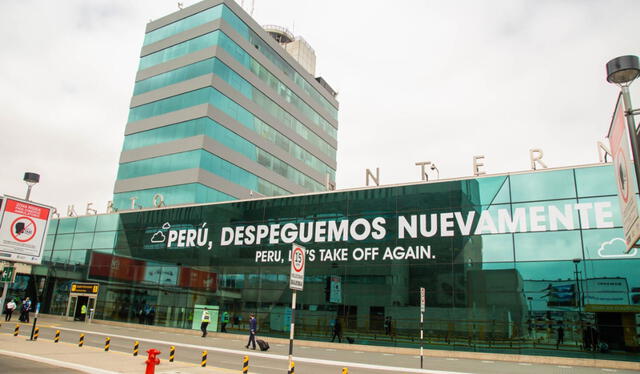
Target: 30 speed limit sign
x,y
298,258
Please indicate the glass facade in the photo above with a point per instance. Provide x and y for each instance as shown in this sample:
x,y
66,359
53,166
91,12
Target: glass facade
x,y
309,136
528,263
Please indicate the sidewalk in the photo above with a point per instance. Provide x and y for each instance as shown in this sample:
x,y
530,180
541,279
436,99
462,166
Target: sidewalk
x,y
90,359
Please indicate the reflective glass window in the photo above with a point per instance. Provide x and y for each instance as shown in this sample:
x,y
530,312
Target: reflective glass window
x,y
67,225
86,223
543,185
82,241
546,246
184,24
214,97
596,181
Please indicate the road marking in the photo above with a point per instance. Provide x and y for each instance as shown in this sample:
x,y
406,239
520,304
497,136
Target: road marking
x,y
524,364
565,367
487,362
451,359
68,365
273,356
303,347
330,349
387,354
358,352
610,370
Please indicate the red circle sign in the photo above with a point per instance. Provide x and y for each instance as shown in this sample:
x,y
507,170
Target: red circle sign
x,y
23,229
298,259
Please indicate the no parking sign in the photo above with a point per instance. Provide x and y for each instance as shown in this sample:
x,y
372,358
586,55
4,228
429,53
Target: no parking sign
x,y
23,226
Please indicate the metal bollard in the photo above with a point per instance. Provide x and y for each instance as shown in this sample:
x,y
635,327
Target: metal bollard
x,y
204,359
172,353
57,337
245,365
136,345
345,371
81,342
36,333
15,332
107,343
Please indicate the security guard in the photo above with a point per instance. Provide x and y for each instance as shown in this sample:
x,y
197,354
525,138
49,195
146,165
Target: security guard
x,y
83,312
206,318
225,320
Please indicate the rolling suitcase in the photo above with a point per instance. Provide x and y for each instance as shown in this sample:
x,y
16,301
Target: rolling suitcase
x,y
264,346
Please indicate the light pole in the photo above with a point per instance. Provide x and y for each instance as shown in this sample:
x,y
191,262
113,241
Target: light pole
x,y
623,71
576,261
30,179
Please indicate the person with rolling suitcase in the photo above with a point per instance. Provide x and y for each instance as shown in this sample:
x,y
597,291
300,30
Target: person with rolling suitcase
x,y
253,327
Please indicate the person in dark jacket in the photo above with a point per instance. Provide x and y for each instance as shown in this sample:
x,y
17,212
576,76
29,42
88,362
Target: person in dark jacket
x,y
253,328
337,331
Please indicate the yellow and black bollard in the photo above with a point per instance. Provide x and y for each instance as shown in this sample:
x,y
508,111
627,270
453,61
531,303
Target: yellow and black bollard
x,y
57,337
136,345
245,365
81,342
107,343
345,371
204,359
36,333
172,353
292,369
17,329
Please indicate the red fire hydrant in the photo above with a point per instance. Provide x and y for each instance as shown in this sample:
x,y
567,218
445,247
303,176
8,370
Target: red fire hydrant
x,y
152,361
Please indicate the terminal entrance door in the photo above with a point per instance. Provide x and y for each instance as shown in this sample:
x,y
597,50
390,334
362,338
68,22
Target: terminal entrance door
x,y
82,302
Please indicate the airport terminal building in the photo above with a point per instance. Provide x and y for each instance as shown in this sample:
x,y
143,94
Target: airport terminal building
x,y
506,260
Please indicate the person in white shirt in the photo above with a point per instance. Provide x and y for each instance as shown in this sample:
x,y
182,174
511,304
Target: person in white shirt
x,y
11,306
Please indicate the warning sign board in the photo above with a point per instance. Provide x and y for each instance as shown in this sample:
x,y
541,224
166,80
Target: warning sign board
x,y
298,256
23,226
623,167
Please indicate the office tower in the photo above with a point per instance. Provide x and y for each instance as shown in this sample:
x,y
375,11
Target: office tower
x,y
223,110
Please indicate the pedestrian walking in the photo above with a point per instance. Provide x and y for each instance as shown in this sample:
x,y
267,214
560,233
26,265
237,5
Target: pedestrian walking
x,y
253,328
560,339
11,306
337,331
223,321
387,325
206,318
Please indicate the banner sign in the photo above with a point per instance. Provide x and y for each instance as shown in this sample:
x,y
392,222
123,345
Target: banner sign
x,y
623,167
85,288
23,228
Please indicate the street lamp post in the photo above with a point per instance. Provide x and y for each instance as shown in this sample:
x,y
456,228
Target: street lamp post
x,y
576,261
623,71
30,179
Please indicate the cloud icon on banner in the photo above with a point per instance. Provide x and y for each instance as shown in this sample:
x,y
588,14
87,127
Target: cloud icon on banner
x,y
166,226
158,237
611,250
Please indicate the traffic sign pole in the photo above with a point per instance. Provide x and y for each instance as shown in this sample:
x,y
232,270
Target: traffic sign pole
x,y
423,299
293,322
296,283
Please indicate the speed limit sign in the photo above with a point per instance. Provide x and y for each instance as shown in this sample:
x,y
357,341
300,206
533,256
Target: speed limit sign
x,y
298,258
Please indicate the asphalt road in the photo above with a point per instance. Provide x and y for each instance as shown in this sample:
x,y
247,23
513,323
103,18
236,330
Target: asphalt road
x,y
227,352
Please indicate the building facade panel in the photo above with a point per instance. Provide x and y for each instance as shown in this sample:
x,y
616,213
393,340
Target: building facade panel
x,y
504,265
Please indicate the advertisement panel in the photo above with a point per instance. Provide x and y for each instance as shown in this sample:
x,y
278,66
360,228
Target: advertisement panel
x,y
112,267
623,167
23,227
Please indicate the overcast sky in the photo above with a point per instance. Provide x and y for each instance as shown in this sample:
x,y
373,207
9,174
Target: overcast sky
x,y
417,80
